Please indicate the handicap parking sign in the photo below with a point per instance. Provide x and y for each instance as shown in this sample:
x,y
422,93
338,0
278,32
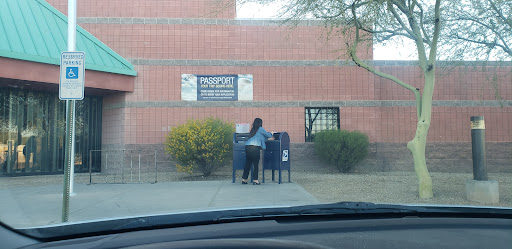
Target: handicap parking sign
x,y
72,73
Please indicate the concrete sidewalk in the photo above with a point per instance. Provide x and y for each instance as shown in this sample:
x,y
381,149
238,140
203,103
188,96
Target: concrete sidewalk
x,y
42,205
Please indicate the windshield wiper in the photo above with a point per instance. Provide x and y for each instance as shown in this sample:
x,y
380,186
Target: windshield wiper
x,y
339,208
357,210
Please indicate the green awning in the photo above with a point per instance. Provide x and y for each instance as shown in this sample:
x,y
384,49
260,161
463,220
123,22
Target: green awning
x,y
33,30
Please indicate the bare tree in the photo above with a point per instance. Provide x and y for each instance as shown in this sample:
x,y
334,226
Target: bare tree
x,y
478,29
414,20
367,22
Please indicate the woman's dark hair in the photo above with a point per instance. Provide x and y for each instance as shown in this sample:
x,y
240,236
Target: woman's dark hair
x,y
255,126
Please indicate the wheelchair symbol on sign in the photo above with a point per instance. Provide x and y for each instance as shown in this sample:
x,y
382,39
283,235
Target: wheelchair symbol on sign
x,y
72,73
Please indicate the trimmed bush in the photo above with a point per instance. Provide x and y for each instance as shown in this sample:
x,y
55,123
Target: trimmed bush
x,y
341,148
201,145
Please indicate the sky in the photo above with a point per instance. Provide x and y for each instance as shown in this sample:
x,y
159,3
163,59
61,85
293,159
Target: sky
x,y
389,52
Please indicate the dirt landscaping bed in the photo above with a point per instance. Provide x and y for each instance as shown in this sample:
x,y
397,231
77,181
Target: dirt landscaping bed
x,y
396,187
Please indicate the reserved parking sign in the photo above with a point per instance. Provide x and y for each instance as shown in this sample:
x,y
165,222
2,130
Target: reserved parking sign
x,y
72,70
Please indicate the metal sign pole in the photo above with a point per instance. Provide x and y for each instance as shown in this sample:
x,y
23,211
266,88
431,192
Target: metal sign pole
x,y
70,121
71,48
72,154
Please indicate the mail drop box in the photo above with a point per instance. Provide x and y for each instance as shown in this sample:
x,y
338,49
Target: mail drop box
x,y
239,140
277,155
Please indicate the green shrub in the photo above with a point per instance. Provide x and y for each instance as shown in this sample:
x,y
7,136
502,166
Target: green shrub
x,y
201,145
341,148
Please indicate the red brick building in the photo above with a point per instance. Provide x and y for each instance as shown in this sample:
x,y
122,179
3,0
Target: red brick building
x,y
294,69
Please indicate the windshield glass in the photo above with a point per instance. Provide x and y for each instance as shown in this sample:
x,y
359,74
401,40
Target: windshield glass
x,y
166,107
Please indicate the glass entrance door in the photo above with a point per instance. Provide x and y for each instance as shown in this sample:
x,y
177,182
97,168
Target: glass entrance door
x,y
32,129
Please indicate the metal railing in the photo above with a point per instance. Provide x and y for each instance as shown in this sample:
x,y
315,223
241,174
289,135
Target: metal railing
x,y
122,166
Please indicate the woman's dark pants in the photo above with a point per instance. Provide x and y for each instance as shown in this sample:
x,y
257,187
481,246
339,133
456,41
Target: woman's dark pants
x,y
252,157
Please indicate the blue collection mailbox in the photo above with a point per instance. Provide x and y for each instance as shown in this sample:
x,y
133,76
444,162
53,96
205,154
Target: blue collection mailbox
x,y
277,155
239,140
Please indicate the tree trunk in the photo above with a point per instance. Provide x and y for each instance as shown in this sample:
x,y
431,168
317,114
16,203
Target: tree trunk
x,y
417,148
206,170
418,143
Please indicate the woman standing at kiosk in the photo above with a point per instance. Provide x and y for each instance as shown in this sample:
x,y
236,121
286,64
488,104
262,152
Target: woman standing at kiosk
x,y
256,142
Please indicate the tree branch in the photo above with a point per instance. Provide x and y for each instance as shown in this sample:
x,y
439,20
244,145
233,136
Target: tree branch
x,y
478,22
399,19
391,33
420,44
422,25
435,38
360,63
492,29
505,47
500,14
488,44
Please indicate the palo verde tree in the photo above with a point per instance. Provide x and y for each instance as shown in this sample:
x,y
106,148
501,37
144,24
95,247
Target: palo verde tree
x,y
420,22
381,21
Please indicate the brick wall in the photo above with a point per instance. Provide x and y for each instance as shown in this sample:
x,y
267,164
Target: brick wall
x,y
113,122
397,124
293,68
218,42
467,82
149,8
150,125
163,83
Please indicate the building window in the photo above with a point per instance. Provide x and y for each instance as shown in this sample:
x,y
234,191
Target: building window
x,y
319,119
33,125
